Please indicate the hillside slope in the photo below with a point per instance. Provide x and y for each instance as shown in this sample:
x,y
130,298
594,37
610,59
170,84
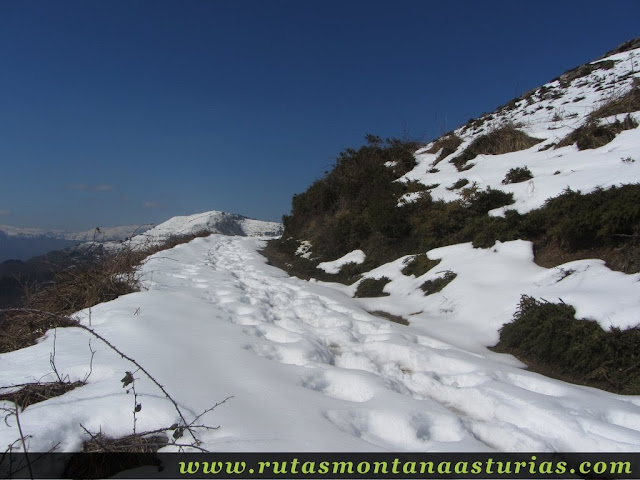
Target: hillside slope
x,y
553,177
577,133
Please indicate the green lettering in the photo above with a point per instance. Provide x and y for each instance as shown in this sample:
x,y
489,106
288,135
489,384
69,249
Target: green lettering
x,y
444,467
462,467
294,464
211,467
309,467
620,467
342,466
427,467
504,467
263,465
380,465
409,467
192,467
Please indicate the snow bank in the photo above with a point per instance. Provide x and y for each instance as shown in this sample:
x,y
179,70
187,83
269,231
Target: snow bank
x,y
357,256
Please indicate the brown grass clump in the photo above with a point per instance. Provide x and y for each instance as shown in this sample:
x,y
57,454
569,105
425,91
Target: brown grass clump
x,y
108,275
39,392
372,287
19,329
594,135
434,286
448,144
389,316
133,451
134,443
418,265
502,140
627,103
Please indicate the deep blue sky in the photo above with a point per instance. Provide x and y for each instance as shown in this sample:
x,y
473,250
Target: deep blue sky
x,y
124,112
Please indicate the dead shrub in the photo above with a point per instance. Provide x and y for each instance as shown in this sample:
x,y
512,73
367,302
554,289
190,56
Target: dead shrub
x,y
627,103
389,316
372,287
19,329
434,286
594,135
418,265
448,144
39,392
502,140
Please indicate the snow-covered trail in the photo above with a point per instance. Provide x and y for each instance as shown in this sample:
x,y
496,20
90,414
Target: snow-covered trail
x,y
308,368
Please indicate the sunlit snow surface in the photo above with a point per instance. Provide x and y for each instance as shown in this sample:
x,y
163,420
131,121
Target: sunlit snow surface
x,y
549,115
311,370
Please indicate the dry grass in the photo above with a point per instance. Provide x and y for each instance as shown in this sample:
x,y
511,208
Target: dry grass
x,y
134,443
627,103
19,329
108,275
434,286
133,451
594,135
389,316
39,392
418,265
448,144
502,140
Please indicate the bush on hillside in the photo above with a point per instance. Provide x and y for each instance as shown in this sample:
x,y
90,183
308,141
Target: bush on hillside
x,y
593,134
446,146
354,205
458,184
627,103
501,140
418,265
480,202
550,338
517,175
434,286
372,287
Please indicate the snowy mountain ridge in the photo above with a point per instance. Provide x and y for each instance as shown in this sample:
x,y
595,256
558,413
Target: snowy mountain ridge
x,y
213,222
549,113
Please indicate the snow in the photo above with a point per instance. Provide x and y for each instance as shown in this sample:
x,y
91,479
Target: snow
x,y
304,249
213,222
310,370
553,169
356,256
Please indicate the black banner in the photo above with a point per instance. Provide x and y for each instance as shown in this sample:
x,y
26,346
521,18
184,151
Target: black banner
x,y
322,465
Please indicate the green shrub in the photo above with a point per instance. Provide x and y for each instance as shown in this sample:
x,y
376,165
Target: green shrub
x,y
434,286
459,184
480,202
548,335
418,265
372,287
517,175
